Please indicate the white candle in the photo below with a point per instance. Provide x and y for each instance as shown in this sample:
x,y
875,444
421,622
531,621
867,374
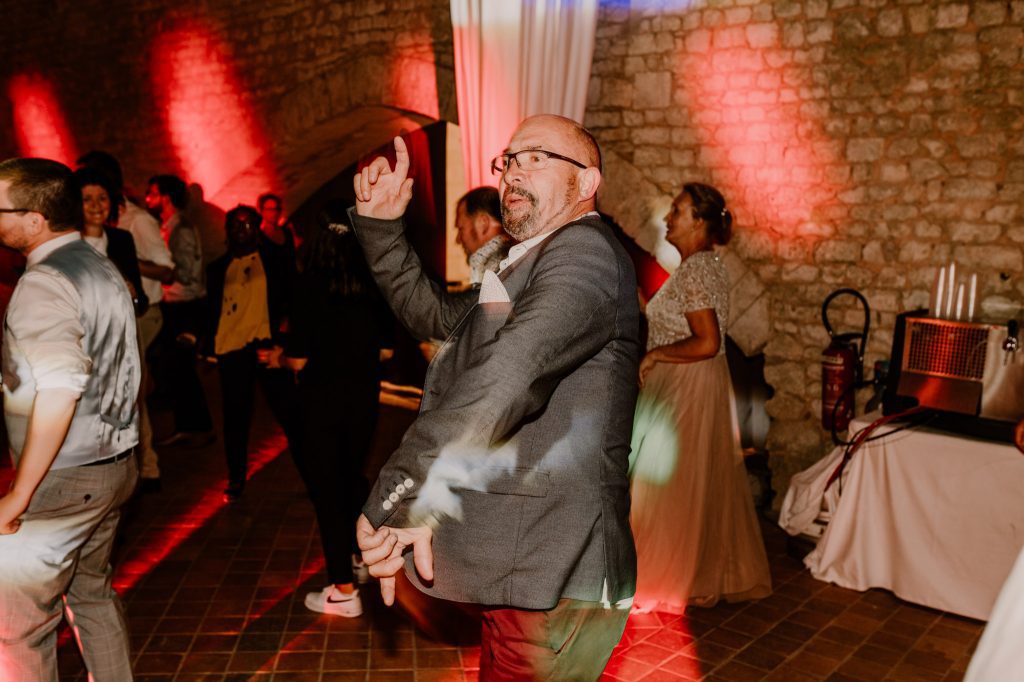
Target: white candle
x,y
972,297
950,289
939,294
960,301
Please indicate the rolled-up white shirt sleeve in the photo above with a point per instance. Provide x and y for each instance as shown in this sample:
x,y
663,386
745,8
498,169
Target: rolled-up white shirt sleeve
x,y
43,321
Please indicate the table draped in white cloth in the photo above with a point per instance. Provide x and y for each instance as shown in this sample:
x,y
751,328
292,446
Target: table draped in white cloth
x,y
938,519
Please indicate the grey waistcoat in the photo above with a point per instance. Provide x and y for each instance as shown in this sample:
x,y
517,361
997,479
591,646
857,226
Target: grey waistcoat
x,y
106,420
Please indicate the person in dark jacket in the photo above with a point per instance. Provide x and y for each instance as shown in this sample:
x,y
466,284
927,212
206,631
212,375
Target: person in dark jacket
x,y
338,325
100,212
248,292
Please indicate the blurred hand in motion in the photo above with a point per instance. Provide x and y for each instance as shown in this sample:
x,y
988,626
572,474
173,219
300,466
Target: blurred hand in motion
x,y
381,192
271,357
383,549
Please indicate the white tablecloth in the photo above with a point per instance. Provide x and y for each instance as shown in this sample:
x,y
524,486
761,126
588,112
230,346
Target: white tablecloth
x,y
937,519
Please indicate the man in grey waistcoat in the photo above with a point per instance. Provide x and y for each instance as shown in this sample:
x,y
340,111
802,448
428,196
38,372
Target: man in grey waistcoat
x,y
71,382
510,488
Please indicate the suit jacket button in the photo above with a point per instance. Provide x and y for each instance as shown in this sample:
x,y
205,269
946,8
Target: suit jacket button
x,y
393,497
387,505
408,483
400,489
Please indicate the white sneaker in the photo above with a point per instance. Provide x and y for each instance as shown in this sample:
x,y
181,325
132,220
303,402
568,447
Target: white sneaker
x,y
330,601
360,570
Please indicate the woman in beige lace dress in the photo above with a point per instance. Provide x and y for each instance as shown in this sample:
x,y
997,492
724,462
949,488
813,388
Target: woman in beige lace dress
x,y
693,516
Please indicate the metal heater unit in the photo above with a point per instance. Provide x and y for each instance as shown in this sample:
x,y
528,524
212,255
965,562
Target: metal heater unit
x,y
970,372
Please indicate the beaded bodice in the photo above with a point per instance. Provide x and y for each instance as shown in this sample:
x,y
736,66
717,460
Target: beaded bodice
x,y
699,282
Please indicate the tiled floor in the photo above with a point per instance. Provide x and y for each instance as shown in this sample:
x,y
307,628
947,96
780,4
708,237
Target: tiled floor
x,y
215,592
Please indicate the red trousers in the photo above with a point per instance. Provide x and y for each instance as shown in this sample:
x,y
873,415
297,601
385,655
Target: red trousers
x,y
573,641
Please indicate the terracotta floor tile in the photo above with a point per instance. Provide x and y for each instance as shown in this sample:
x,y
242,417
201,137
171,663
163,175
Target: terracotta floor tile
x,y
437,658
211,643
723,636
169,643
812,663
761,657
347,660
685,666
860,669
626,669
250,661
158,663
203,662
391,659
877,654
299,660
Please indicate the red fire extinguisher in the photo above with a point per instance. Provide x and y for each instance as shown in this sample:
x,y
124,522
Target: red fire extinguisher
x,y
842,366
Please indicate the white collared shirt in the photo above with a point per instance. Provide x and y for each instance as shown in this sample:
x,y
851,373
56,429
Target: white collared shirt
x,y
149,245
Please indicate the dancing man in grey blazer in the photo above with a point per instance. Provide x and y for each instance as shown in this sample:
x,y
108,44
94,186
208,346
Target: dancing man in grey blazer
x,y
510,488
70,383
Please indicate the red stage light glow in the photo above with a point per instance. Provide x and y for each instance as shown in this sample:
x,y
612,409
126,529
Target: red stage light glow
x,y
40,128
760,130
213,130
162,541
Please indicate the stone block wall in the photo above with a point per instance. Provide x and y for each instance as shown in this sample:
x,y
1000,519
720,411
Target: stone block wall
x,y
289,74
860,143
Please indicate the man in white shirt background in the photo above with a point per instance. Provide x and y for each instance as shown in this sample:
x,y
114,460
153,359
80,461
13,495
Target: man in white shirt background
x,y
156,267
71,375
479,231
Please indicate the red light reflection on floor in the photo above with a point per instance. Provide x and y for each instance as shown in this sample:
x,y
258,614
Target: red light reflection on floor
x,y
760,131
655,646
40,127
164,540
213,130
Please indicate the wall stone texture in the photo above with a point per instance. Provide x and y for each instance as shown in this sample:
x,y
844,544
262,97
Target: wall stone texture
x,y
860,143
297,71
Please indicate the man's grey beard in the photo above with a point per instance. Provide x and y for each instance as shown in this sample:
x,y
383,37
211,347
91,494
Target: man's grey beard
x,y
520,228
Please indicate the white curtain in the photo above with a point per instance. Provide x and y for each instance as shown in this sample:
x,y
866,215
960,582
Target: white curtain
x,y
513,59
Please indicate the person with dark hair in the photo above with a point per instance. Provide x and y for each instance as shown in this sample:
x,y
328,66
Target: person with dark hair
x,y
479,232
155,267
249,294
71,373
697,536
99,213
338,323
276,228
182,307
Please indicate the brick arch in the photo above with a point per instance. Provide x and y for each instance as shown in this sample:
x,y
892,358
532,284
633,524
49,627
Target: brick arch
x,y
304,163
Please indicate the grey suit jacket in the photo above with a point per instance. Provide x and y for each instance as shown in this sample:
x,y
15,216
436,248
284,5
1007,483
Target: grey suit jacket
x,y
518,457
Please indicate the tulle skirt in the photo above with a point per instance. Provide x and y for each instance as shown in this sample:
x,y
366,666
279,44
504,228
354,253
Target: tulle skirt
x,y
692,515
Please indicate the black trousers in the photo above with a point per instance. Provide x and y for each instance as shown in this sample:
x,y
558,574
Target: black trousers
x,y
239,373
336,429
176,369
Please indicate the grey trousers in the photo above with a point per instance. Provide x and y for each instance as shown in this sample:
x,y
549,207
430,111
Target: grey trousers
x,y
149,327
61,556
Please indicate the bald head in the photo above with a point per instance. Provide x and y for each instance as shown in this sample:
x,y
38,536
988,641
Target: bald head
x,y
578,140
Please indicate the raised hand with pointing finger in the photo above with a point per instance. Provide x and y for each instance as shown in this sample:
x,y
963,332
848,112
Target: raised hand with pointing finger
x,y
381,192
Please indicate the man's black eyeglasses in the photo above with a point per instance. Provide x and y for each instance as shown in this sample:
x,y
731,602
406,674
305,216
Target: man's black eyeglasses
x,y
529,160
16,210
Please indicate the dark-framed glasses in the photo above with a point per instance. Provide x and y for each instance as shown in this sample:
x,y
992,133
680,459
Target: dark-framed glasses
x,y
529,160
16,210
